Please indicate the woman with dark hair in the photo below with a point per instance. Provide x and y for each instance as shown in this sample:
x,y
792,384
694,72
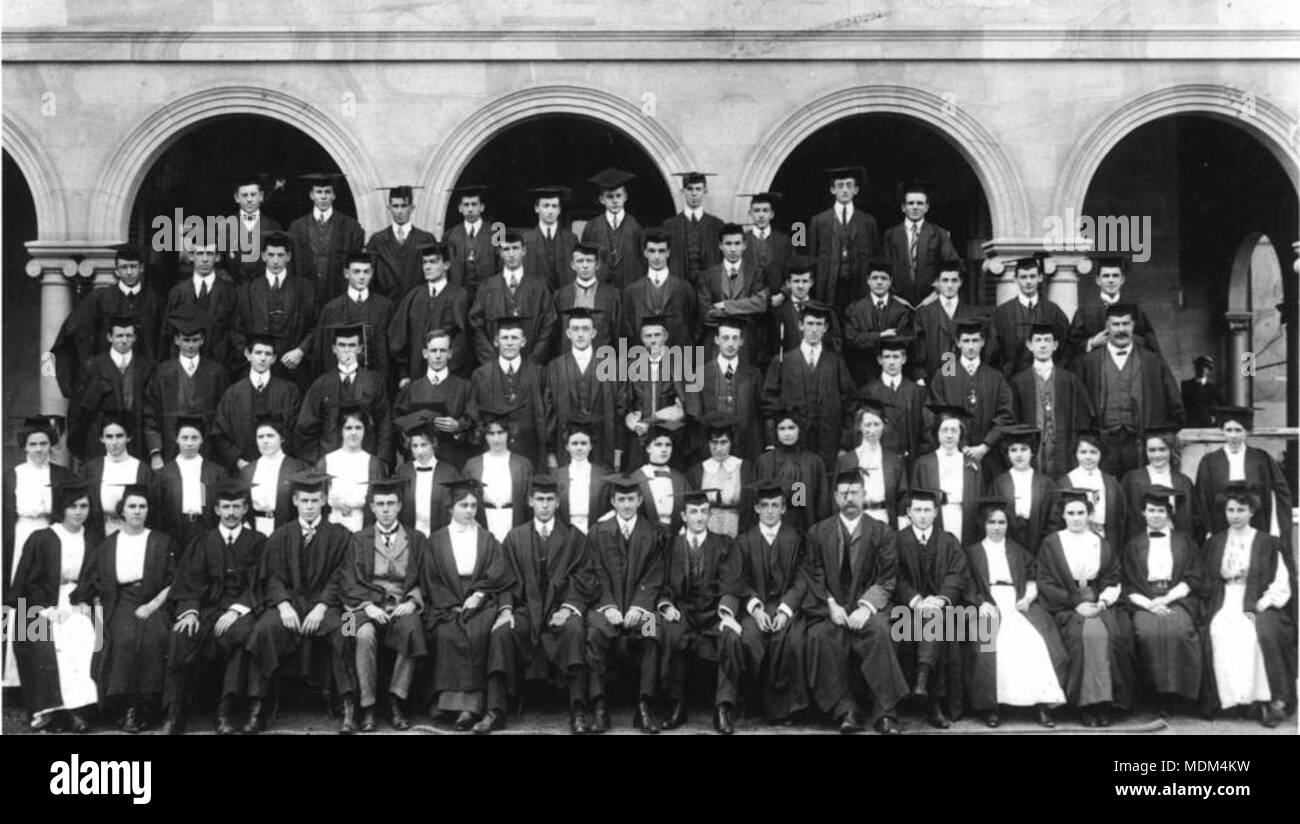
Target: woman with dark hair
x,y
464,579
502,474
1106,513
54,654
1162,579
424,498
580,483
1027,661
800,472
1161,454
726,473
271,475
28,502
948,470
184,492
129,574
884,476
1031,494
1079,583
112,472
351,469
1251,632
1237,461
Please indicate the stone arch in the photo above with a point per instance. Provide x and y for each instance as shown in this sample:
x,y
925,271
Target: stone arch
x,y
43,180
475,131
111,209
1266,121
999,177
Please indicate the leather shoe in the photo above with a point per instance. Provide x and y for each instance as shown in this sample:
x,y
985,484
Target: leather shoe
x,y
578,720
397,714
936,717
465,721
349,724
254,724
1045,718
1089,720
722,720
645,718
1274,714
888,726
1103,719
494,720
131,723
677,716
175,722
850,723
224,706
993,719
599,717
368,718
77,724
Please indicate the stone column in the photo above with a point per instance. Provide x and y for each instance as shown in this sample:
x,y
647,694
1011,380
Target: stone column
x,y
56,302
1061,281
1239,378
101,268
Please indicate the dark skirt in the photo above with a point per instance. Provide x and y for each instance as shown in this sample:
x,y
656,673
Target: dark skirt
x,y
133,660
1169,652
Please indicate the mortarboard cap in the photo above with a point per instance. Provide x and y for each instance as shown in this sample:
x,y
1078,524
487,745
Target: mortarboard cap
x,y
880,263
577,423
816,309
1161,495
755,198
1112,259
896,344
1036,328
987,505
232,489
945,411
655,236
970,327
1020,433
439,249
191,320
954,264
626,483
498,412
1034,261
270,339
935,496
653,320
659,429
580,313
468,190
875,406
120,320
194,420
698,497
926,187
323,178
386,486
731,229
512,322
694,177
416,422
260,179
858,173
611,178
562,192
1237,489
462,485
138,490
1244,415
799,264
1202,360
586,248
766,488
1074,494
719,422
543,483
1163,429
358,257
405,191
1116,310
129,251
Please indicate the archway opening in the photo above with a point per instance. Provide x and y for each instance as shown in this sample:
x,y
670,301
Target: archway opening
x,y
893,148
195,176
564,150
21,295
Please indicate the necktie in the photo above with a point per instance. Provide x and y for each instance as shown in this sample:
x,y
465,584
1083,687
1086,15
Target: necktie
x,y
844,215
616,222
730,373
259,383
189,366
1156,535
230,540
627,531
357,300
276,283
203,289
401,234
550,234
388,538
513,283
510,370
694,219
911,247
663,473
880,305
307,534
472,232
320,220
1032,304
545,531
435,380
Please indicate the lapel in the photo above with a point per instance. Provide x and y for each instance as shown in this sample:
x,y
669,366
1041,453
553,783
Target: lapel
x,y
365,549
446,560
979,563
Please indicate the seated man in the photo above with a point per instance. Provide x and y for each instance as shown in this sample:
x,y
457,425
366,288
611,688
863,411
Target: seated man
x,y
628,556
381,591
852,564
214,601
931,577
543,625
698,606
299,578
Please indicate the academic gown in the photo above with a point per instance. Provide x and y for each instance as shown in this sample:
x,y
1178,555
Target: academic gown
x,y
1187,517
415,314
439,496
676,227
896,486
905,417
1010,329
741,397
1044,506
1263,473
550,260
982,664
398,266
933,247
803,475
986,396
521,472
1071,411
570,394
285,511
629,573
132,660
472,261
457,396
771,576
676,302
936,569
531,299
459,642
608,303
318,416
101,395
1169,653
210,578
842,254
784,333
650,507
9,510
1116,518
818,395
620,259
936,337
1061,593
374,315
245,263
863,325
873,576
234,426
492,387
925,475
293,321
344,236
597,494
166,496
163,400
767,257
650,398
404,635
1198,399
93,473
84,332
219,304
699,588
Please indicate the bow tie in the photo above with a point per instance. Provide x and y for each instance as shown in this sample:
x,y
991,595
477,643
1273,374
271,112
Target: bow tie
x,y
1119,353
424,469
1156,535
662,473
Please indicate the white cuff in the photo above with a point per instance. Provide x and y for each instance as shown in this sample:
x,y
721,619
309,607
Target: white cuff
x,y
194,612
915,602
572,608
753,604
1110,595
240,608
724,612
788,612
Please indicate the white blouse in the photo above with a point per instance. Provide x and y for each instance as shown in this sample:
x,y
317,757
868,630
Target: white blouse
x,y
191,470
1160,558
999,568
871,464
130,556
424,497
117,474
1022,484
351,471
33,497
72,553
580,494
723,476
266,482
464,547
1236,464
1083,556
498,487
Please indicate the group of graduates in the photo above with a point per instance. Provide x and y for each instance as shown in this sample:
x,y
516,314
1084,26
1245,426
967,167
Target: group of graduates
x,y
352,456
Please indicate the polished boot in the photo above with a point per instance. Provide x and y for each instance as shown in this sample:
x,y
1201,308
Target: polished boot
x,y
722,720
131,722
578,719
599,717
888,726
850,723
993,719
254,724
645,718
465,721
224,707
349,723
935,715
368,718
397,713
676,716
175,721
77,724
494,720
1045,717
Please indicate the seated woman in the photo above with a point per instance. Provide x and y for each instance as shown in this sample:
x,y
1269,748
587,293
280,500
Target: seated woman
x,y
579,483
424,498
947,469
54,657
1032,495
28,504
129,574
1160,446
502,475
271,475
1027,661
1162,578
352,469
726,473
1106,516
184,491
1251,632
1079,583
112,472
1237,461
801,473
883,473
464,578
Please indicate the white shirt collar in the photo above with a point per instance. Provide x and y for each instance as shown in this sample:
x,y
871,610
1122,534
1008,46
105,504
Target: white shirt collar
x,y
208,278
545,230
1107,300
591,284
891,381
970,365
1114,351
626,525
841,208
128,290
440,374
579,468
229,534
272,277
475,226
769,533
349,371
190,364
582,356
402,229
259,380
917,223
922,537
852,525
516,273
657,276
698,214
325,215
250,217
1024,301
549,526
1044,368
762,234
437,285
506,364
120,360
614,217
724,362
362,296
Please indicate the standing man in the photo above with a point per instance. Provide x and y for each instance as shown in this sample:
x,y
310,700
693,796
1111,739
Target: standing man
x,y
1132,390
879,316
323,238
245,261
436,303
842,239
396,249
470,242
513,294
279,305
510,381
1053,400
574,391
616,233
548,246
655,398
1088,329
112,385
1013,318
346,386
767,249
936,322
729,290
210,290
903,402
693,232
188,384
449,396
359,306
255,394
1201,394
584,291
916,246
660,294
976,387
731,386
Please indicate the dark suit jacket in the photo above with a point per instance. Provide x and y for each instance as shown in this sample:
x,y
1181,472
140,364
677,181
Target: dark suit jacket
x,y
295,326
609,321
1020,562
374,316
744,400
773,574
1187,517
84,332
1262,472
1071,411
827,248
905,419
785,335
457,396
1090,318
213,576
234,427
767,258
874,565
650,510
863,323
718,584
896,485
621,253
528,423
746,298
563,403
630,574
947,579
220,307
821,422
1157,399
245,263
536,262
986,396
345,237
1006,348
471,263
319,422
1199,399
933,247
357,576
675,228
284,576
570,576
415,315
532,299
100,394
678,304
161,401
398,266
